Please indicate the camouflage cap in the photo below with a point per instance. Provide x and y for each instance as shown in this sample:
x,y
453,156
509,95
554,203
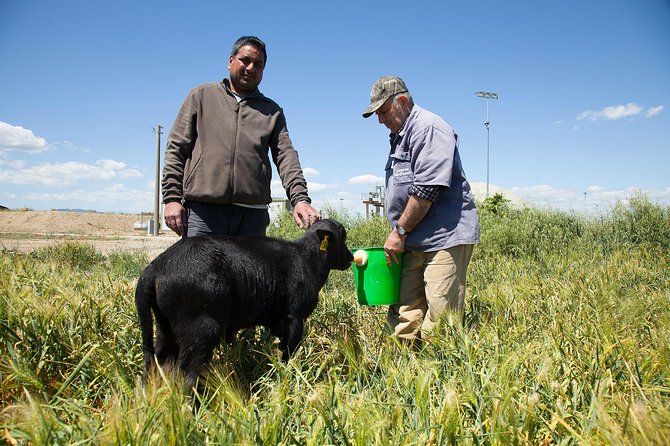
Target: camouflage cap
x,y
384,88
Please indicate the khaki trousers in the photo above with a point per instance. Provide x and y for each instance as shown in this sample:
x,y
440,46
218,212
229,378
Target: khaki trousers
x,y
431,283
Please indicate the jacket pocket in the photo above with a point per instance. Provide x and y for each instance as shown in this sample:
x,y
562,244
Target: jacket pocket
x,y
190,170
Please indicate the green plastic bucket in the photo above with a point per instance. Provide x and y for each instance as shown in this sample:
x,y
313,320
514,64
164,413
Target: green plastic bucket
x,y
376,283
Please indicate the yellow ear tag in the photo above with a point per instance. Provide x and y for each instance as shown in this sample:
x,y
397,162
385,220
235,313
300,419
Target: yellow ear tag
x,y
324,243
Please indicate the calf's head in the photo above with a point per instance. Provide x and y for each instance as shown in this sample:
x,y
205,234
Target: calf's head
x,y
332,243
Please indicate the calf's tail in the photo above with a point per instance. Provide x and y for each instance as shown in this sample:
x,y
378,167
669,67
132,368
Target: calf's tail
x,y
145,297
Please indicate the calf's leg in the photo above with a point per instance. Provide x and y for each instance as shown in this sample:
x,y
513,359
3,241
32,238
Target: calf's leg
x,y
167,348
197,343
290,334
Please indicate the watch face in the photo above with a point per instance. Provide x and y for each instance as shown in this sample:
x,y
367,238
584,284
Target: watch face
x,y
401,230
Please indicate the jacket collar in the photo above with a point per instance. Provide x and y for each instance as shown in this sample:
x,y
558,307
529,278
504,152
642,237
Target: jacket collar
x,y
255,94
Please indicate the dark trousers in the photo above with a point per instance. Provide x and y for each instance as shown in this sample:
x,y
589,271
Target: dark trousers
x,y
226,219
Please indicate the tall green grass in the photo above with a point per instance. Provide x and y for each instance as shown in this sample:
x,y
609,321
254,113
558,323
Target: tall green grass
x,y
566,341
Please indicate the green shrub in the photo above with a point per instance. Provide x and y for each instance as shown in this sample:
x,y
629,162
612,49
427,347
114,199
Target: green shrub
x,y
75,255
640,223
369,233
496,204
127,264
528,231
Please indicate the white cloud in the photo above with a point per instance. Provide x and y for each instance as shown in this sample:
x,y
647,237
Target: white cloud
x,y
12,164
276,189
619,111
479,191
653,111
366,179
67,174
593,199
69,146
310,172
319,187
18,138
544,195
611,113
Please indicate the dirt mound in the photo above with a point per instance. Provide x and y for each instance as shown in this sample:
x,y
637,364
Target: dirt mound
x,y
30,230
77,223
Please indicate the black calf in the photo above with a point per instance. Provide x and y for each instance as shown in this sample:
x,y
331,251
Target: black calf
x,y
204,289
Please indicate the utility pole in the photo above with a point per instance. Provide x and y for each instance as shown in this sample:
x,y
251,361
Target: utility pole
x,y
487,95
158,181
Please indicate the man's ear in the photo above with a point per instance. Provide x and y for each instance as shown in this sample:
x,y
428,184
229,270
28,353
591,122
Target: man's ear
x,y
404,101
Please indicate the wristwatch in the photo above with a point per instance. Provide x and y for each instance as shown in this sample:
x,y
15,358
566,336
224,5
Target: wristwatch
x,y
401,230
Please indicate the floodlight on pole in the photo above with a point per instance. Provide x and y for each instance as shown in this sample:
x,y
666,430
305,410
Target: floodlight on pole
x,y
487,95
156,228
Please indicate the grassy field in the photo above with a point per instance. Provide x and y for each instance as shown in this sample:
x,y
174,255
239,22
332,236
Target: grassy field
x,y
566,341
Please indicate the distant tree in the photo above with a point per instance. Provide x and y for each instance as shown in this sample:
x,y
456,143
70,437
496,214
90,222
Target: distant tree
x,y
496,204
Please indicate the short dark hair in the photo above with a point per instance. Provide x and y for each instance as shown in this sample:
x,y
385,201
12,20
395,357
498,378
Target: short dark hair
x,y
249,40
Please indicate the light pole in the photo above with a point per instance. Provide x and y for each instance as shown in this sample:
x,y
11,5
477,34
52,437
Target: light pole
x,y
157,221
486,95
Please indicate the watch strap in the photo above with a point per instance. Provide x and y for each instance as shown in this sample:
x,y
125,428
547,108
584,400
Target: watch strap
x,y
401,230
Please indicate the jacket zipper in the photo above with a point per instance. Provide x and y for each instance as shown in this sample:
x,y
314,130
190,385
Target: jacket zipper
x,y
234,151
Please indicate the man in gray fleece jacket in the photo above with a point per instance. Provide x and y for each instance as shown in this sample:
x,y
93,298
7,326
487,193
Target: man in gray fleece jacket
x,y
217,172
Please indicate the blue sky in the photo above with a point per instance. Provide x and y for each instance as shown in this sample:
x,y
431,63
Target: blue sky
x,y
582,119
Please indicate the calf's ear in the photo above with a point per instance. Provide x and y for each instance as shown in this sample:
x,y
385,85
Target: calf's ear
x,y
325,237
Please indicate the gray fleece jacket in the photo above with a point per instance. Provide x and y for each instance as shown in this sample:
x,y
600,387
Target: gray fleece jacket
x,y
218,150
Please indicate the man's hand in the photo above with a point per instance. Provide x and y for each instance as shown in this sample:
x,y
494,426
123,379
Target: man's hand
x,y
175,217
414,212
304,215
395,244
